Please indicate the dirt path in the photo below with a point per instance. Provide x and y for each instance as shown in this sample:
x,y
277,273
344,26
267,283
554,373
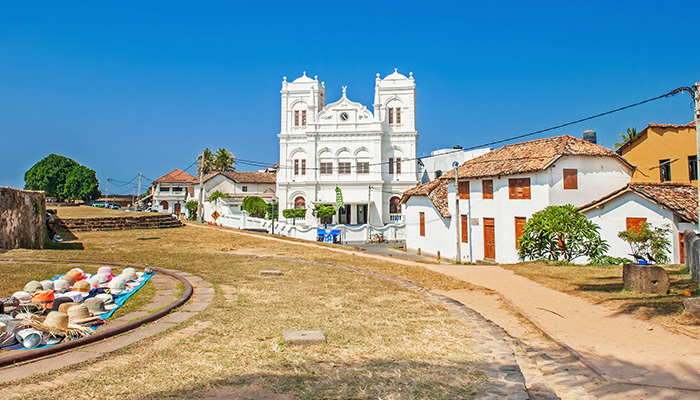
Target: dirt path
x,y
622,348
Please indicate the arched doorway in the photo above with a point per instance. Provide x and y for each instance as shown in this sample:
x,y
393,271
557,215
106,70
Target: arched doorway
x,y
395,209
299,202
164,204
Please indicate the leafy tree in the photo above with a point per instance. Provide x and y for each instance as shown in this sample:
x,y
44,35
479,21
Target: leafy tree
x,y
646,238
294,213
626,137
63,178
560,233
323,212
223,161
207,165
192,207
218,195
255,206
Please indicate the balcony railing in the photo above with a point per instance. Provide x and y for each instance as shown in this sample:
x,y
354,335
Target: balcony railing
x,y
396,217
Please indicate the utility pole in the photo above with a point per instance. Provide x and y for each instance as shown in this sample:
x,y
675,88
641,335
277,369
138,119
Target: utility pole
x,y
457,217
697,137
107,195
138,193
200,206
369,204
133,201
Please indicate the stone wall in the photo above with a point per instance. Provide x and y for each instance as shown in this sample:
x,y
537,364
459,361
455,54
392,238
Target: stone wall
x,y
155,221
22,219
691,246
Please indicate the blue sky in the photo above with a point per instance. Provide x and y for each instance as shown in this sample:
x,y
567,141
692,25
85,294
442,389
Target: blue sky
x,y
131,86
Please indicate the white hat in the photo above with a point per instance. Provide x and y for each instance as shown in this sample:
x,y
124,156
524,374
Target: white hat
x,y
117,286
60,285
102,278
93,281
23,296
106,297
47,285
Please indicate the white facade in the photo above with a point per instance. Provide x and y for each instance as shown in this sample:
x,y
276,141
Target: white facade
x,y
237,185
612,216
440,161
597,176
369,155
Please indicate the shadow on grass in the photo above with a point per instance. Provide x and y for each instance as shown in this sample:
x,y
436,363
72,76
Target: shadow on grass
x,y
64,246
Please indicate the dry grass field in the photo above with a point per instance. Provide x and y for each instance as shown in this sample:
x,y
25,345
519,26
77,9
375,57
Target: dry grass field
x,y
92,212
383,340
603,285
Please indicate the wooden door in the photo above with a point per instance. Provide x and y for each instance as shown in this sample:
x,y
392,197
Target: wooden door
x,y
681,247
489,238
177,209
465,228
422,223
519,224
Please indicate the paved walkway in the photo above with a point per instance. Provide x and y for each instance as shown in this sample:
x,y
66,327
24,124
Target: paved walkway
x,y
165,295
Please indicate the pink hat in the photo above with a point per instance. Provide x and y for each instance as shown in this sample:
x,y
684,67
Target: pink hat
x,y
107,271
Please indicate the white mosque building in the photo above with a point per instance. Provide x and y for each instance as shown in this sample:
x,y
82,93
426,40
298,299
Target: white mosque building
x,y
369,155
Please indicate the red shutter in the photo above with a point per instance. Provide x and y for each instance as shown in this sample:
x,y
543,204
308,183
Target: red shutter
x,y
487,188
570,179
398,165
296,118
465,229
634,222
464,190
391,165
512,188
296,167
391,115
398,115
422,223
303,167
526,188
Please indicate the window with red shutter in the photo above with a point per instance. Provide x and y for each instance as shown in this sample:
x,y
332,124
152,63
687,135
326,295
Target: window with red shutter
x,y
519,188
303,167
487,188
465,228
398,165
422,223
303,118
296,118
391,165
391,116
519,224
296,167
398,115
570,179
635,222
463,190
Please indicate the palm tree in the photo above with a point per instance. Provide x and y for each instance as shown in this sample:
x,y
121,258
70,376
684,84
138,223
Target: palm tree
x,y
224,160
208,162
626,137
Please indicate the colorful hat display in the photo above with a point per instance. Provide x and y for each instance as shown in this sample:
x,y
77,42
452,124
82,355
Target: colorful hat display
x,y
107,271
80,315
44,297
60,286
65,306
77,274
60,301
82,286
47,285
33,286
94,281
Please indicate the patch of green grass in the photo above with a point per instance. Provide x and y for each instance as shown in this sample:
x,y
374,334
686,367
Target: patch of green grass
x,y
139,299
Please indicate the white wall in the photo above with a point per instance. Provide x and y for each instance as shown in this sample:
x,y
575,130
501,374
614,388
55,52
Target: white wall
x,y
612,219
597,177
438,230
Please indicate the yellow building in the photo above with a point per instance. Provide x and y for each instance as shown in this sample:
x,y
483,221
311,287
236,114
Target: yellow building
x,y
663,153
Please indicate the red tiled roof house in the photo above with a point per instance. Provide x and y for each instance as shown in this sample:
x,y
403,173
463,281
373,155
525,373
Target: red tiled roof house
x,y
499,192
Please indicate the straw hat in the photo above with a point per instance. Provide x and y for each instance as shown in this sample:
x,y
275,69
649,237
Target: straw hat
x,y
47,285
59,301
65,306
96,306
33,286
69,278
117,286
82,286
23,297
44,297
56,324
80,315
60,286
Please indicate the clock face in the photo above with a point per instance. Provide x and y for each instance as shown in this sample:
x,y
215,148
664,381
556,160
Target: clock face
x,y
343,116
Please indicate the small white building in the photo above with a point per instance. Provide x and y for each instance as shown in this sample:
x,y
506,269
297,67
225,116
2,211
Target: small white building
x,y
440,161
170,191
501,189
658,204
237,185
369,155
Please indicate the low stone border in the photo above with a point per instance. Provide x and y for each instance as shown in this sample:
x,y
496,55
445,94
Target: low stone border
x,y
89,348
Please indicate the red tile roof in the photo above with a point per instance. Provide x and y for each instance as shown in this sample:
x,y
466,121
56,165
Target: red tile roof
x,y
688,125
680,198
533,155
436,190
245,177
176,175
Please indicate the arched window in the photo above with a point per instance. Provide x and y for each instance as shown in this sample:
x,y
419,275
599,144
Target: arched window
x,y
299,202
394,205
164,204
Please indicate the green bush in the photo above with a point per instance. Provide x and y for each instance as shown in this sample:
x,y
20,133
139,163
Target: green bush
x,y
218,195
646,238
192,207
255,206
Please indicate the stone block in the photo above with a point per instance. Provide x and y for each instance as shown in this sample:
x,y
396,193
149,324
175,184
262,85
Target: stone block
x,y
304,337
270,272
692,305
645,278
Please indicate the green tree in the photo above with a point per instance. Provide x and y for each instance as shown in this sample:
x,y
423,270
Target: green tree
x,y
63,178
323,213
294,213
218,195
645,238
560,233
273,210
207,165
223,161
255,206
626,137
192,207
